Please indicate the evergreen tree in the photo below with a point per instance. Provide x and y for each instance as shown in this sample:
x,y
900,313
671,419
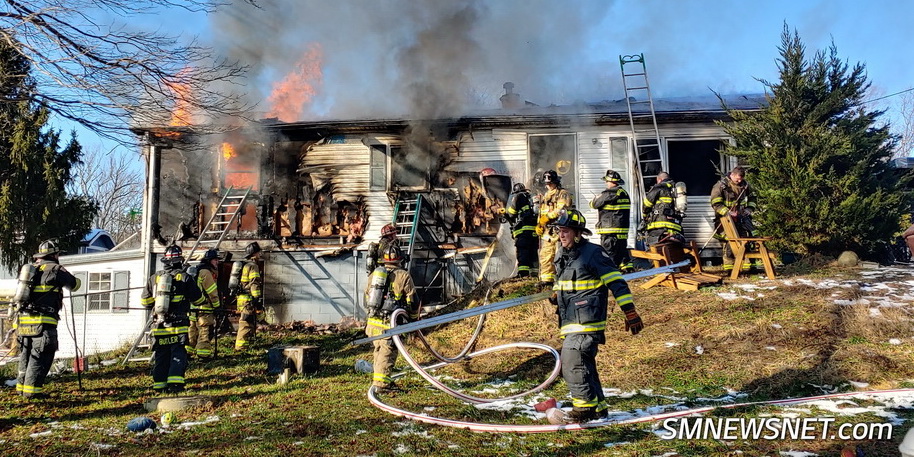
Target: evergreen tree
x,y
34,170
817,158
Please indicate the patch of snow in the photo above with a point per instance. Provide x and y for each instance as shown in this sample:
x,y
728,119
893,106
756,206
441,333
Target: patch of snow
x,y
40,434
797,454
894,341
859,385
10,383
699,350
777,325
670,344
616,444
359,432
109,362
298,443
429,408
253,438
208,420
402,449
771,348
875,312
102,446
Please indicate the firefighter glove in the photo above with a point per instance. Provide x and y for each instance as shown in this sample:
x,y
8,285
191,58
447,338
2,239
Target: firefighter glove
x,y
540,230
633,321
543,219
554,299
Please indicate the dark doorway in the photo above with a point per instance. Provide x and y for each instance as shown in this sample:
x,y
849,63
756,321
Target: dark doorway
x,y
696,163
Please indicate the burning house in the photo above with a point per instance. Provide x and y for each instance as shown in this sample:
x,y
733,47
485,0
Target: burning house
x,y
319,192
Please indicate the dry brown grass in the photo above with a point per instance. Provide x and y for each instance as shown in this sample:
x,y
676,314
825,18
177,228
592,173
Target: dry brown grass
x,y
774,345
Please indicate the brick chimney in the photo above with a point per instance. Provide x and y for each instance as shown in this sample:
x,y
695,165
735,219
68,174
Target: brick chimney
x,y
510,100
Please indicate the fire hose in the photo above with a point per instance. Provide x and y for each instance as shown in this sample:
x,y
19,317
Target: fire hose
x,y
541,428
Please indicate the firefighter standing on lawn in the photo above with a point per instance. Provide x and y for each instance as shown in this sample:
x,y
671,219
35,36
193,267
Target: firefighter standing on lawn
x,y
250,298
732,196
36,329
202,319
522,218
585,276
553,202
614,206
389,288
170,293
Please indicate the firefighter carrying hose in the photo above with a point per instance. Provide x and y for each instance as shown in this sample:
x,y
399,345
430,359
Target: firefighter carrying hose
x,y
522,218
170,293
250,296
202,319
614,210
38,301
585,276
553,202
389,288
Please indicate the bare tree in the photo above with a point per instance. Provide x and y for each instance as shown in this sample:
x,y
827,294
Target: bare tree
x,y
109,77
906,144
115,183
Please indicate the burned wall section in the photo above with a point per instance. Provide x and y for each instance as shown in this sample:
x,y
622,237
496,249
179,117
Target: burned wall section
x,y
186,175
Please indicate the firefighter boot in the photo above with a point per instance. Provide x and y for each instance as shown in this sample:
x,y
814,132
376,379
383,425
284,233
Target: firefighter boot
x,y
581,415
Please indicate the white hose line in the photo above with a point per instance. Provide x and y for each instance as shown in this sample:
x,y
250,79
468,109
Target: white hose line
x,y
502,428
423,371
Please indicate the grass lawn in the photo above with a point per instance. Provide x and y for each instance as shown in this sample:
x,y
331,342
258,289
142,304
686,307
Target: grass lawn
x,y
806,333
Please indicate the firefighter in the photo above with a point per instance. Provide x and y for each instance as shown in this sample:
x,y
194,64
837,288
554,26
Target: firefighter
x,y
36,329
202,319
614,206
375,250
660,220
171,293
732,196
522,218
551,205
585,276
389,288
250,299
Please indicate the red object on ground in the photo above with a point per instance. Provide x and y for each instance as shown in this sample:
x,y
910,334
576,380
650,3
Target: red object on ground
x,y
545,405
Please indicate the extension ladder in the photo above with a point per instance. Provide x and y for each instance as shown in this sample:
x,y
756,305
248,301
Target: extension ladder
x,y
230,206
646,138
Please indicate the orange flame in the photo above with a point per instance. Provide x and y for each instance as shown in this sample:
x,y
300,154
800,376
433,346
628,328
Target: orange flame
x,y
181,114
289,96
228,151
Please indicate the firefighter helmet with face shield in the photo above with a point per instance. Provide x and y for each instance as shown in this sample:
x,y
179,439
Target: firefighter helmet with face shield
x,y
392,255
251,249
519,187
210,254
388,230
173,254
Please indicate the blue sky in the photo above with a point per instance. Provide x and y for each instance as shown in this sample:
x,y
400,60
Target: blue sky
x,y
555,51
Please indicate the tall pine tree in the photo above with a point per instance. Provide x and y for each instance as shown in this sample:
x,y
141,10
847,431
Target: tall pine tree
x,y
34,170
818,160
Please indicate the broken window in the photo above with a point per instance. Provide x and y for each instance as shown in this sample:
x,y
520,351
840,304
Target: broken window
x,y
409,168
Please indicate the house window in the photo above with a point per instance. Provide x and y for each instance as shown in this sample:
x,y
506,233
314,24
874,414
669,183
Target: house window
x,y
378,170
99,282
409,170
697,163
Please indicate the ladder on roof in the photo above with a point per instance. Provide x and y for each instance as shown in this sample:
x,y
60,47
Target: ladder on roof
x,y
228,210
407,214
642,119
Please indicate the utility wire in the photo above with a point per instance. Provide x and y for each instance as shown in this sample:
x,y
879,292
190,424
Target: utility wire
x,y
887,96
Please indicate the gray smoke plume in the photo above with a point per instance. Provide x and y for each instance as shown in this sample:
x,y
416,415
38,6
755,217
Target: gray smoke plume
x,y
423,59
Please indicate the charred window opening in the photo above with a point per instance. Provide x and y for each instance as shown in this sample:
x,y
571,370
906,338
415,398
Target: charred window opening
x,y
409,168
481,198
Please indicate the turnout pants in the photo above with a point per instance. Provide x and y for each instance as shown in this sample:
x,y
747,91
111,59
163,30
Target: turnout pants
x,y
200,335
385,355
579,369
547,256
169,362
525,248
247,325
618,249
36,354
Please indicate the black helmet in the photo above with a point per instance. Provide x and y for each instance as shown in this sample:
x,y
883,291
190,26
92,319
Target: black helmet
x,y
572,218
613,176
45,249
393,254
552,176
210,254
173,254
251,249
519,187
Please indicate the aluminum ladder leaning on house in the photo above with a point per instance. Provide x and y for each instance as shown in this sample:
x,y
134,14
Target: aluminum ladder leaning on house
x,y
229,207
645,135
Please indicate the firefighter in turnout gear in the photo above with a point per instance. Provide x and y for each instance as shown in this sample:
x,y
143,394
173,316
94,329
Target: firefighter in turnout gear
x,y
732,196
585,276
613,207
389,288
660,220
376,250
202,320
250,299
38,311
522,218
553,202
171,293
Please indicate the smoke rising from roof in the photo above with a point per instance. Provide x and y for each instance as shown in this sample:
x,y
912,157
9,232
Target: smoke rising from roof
x,y
423,59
